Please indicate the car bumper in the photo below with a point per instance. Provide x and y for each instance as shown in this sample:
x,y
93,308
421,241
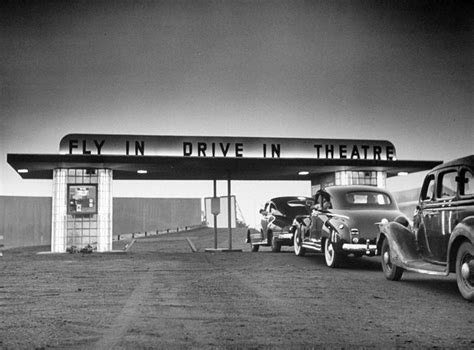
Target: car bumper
x,y
368,249
285,236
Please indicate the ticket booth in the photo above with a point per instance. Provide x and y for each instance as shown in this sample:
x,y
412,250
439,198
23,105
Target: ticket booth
x,y
82,209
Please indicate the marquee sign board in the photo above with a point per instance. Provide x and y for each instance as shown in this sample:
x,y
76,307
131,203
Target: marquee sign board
x,y
226,147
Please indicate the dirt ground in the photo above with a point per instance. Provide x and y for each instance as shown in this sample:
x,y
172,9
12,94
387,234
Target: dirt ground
x,y
162,295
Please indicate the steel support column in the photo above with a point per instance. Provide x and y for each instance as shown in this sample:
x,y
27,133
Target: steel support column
x,y
215,216
229,212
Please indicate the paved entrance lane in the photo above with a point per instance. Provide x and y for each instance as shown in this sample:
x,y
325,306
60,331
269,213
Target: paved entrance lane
x,y
268,299
159,298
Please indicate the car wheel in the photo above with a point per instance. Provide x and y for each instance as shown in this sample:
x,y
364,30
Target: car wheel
x,y
254,247
298,243
331,256
276,246
464,270
392,272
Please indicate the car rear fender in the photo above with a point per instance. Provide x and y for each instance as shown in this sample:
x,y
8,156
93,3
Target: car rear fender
x,y
336,224
402,243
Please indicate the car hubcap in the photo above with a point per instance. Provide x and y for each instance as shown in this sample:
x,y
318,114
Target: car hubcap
x,y
297,242
386,258
330,252
465,271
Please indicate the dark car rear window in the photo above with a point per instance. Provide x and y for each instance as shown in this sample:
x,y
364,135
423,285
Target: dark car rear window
x,y
360,199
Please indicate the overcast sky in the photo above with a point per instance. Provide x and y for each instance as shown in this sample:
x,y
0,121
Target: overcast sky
x,y
395,70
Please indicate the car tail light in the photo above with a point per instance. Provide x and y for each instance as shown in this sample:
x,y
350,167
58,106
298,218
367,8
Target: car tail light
x,y
354,235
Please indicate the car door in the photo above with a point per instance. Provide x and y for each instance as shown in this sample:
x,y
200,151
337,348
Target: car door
x,y
278,220
440,214
265,219
318,216
465,204
425,212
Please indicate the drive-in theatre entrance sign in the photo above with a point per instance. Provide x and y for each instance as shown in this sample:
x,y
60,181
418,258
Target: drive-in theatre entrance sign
x,y
88,163
229,147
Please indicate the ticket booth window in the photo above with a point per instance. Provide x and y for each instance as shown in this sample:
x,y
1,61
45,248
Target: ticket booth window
x,y
371,178
82,199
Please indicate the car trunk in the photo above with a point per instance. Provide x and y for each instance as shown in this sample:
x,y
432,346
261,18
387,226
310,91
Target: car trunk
x,y
364,220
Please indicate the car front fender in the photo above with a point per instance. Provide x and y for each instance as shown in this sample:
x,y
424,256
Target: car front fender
x,y
401,239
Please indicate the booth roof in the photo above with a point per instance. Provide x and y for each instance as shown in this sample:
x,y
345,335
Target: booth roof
x,y
40,166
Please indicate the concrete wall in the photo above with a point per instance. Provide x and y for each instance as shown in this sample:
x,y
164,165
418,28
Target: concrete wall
x,y
151,214
26,221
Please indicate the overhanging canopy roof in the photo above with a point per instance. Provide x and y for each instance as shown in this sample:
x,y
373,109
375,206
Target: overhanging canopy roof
x,y
40,166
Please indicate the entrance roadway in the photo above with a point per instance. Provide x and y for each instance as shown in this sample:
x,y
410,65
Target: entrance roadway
x,y
162,295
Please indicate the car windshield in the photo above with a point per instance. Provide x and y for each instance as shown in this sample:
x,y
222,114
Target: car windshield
x,y
361,199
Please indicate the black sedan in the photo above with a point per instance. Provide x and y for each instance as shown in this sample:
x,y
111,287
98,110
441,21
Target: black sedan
x,y
276,221
344,221
441,239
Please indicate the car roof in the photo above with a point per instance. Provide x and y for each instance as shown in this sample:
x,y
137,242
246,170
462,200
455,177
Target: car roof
x,y
351,188
469,160
285,199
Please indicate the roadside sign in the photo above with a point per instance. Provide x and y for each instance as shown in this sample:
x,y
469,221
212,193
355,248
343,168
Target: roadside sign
x,y
215,205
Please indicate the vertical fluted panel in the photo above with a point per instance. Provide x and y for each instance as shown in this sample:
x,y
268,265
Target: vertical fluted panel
x,y
59,218
104,235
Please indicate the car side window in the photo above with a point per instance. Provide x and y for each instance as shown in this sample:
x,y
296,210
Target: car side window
x,y
317,201
447,184
322,202
326,203
467,183
272,208
428,189
267,207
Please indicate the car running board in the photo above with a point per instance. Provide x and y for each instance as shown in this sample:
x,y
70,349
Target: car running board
x,y
312,246
425,267
265,242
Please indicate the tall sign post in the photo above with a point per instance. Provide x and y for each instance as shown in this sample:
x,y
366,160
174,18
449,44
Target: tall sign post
x,y
229,213
215,210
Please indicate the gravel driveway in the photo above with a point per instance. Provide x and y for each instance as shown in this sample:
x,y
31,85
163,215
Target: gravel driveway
x,y
162,295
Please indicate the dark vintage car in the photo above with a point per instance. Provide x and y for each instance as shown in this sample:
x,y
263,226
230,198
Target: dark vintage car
x,y
441,239
277,218
344,221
